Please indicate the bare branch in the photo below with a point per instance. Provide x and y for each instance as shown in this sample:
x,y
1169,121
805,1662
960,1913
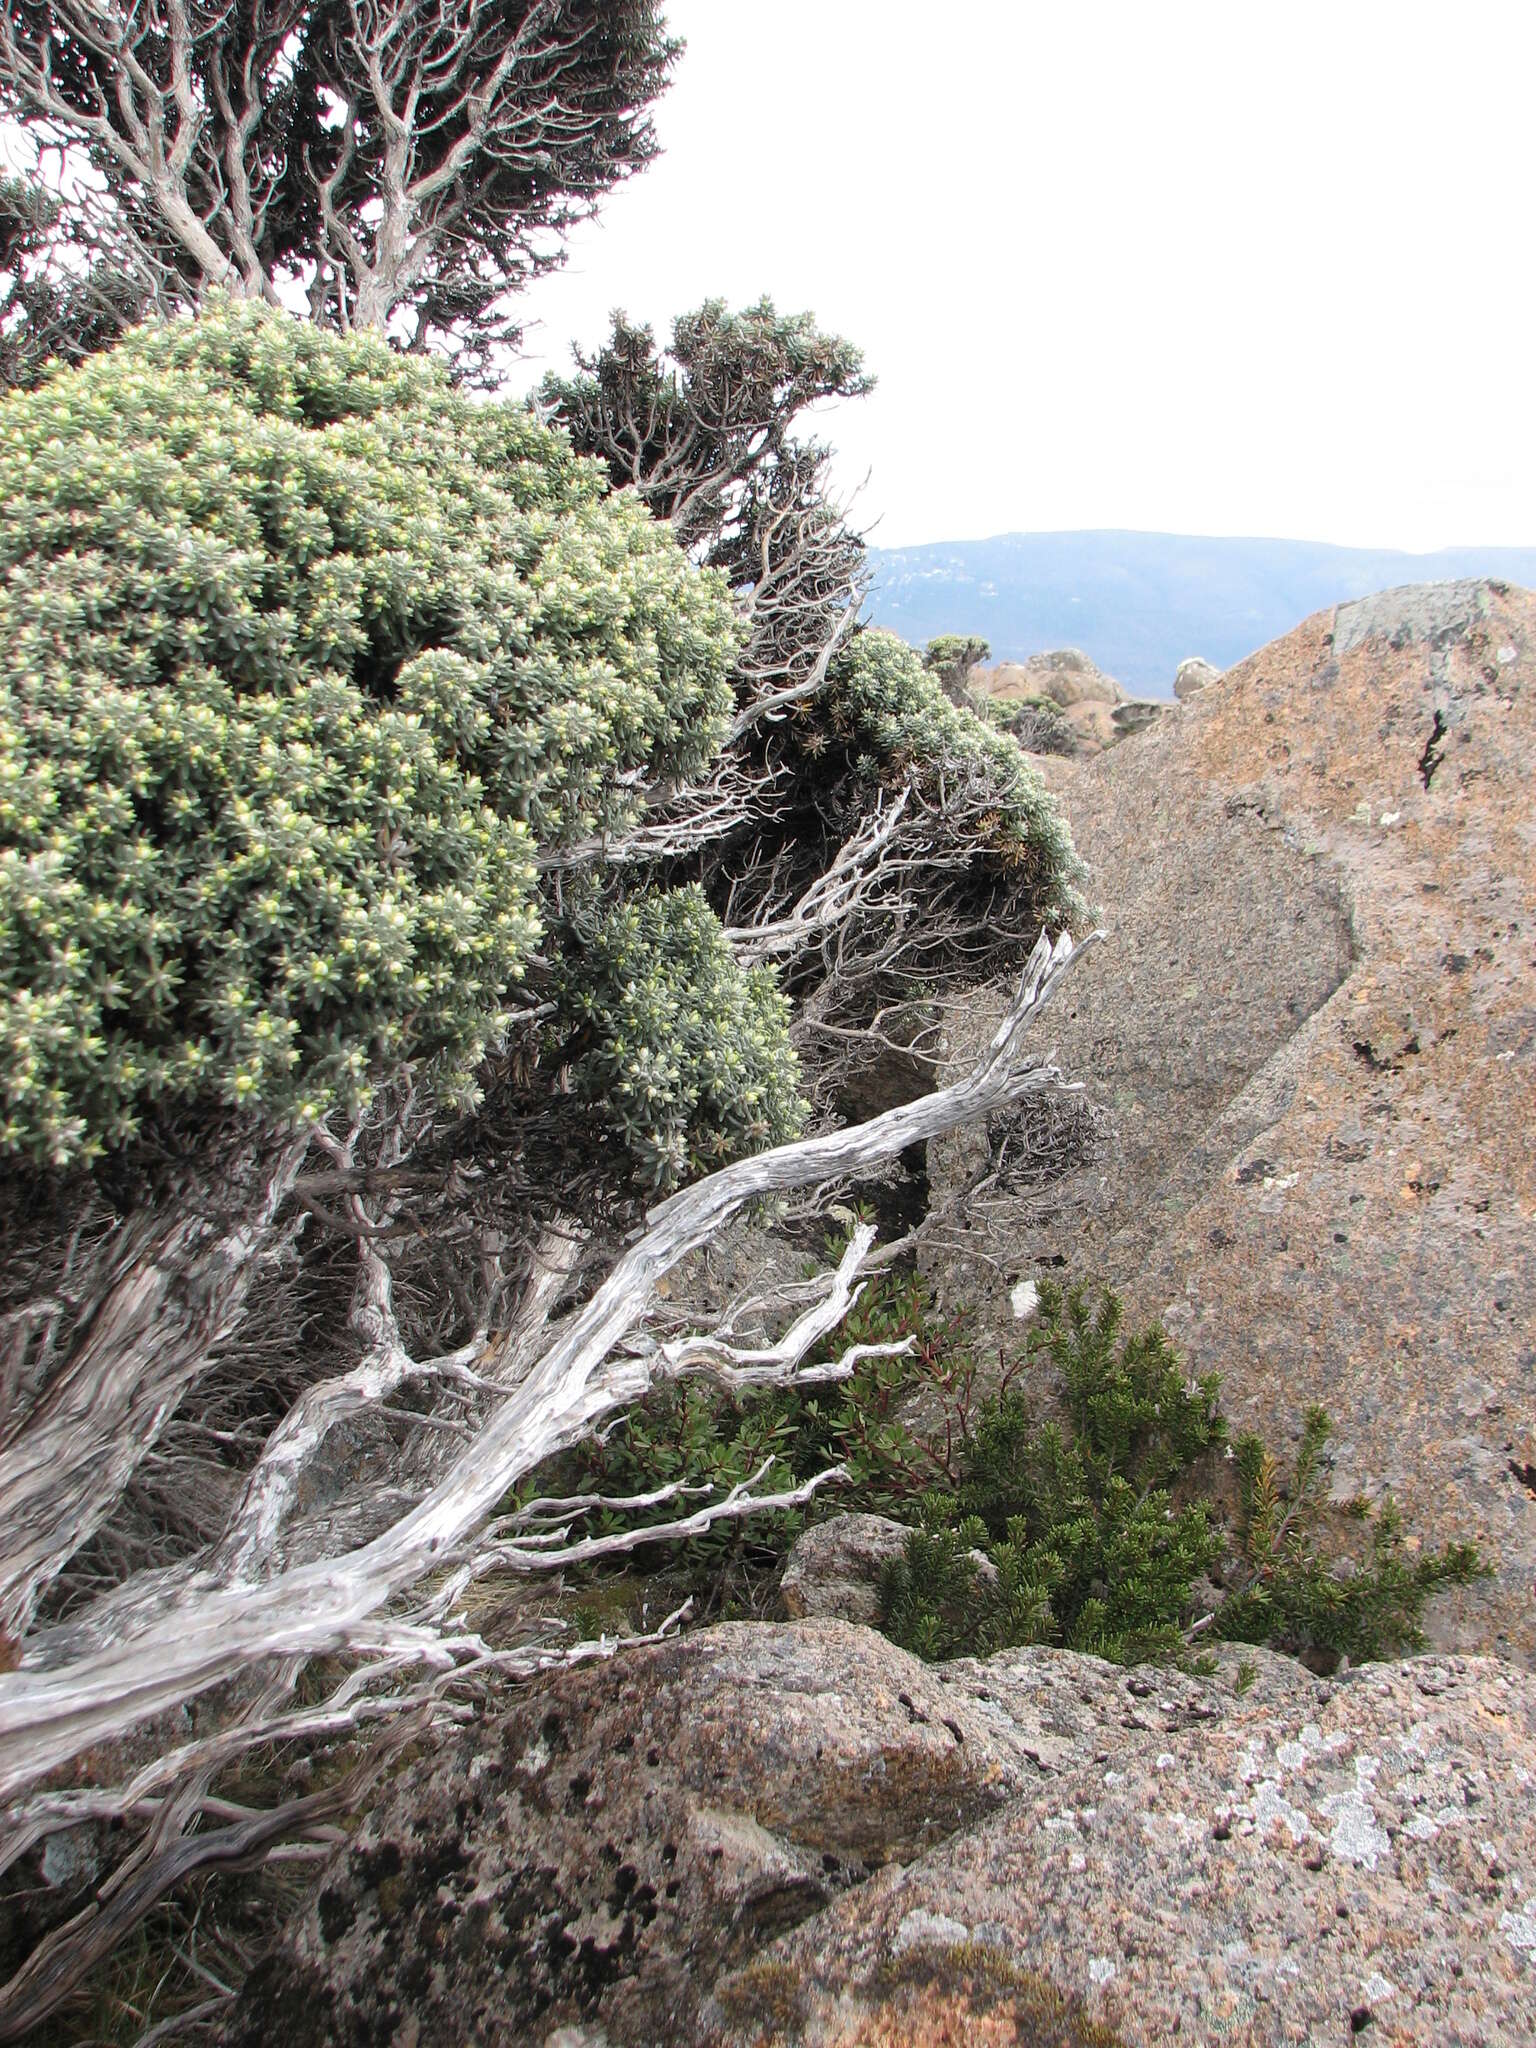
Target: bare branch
x,y
50,1711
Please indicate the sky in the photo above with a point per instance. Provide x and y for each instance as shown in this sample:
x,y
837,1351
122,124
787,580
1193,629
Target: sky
x,y
1249,268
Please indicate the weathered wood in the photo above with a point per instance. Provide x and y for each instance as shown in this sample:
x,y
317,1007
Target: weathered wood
x,y
51,1709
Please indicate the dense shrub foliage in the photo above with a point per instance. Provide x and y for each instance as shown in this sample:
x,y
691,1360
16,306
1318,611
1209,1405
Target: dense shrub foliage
x,y
896,718
1085,1500
1036,723
1085,1541
685,1056
301,656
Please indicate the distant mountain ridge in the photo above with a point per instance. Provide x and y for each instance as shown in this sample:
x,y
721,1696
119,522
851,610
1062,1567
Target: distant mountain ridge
x,y
1139,603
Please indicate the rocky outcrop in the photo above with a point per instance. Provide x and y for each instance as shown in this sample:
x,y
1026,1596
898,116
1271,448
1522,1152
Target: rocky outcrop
x,y
1193,675
1314,1030
1314,1033
1093,705
603,1849
1336,1861
798,1834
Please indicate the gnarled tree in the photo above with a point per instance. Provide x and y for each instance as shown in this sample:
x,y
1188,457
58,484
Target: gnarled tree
x,y
403,166
886,838
373,779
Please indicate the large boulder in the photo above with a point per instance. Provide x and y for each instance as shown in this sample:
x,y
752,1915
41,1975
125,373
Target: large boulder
x,y
1341,1859
1065,675
796,1833
599,1851
1313,1028
1192,675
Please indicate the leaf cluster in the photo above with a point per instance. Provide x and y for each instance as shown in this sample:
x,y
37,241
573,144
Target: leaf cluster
x,y
950,658
683,1055
898,725
1287,1593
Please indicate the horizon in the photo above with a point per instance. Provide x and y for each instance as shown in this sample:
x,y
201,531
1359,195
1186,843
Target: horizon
x,y
1139,602
1300,540
1192,273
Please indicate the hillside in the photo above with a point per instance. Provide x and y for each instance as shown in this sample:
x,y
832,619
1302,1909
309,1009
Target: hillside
x,y
1138,603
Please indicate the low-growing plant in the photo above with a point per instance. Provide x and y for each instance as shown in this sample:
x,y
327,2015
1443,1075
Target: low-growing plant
x,y
1079,1500
1288,1593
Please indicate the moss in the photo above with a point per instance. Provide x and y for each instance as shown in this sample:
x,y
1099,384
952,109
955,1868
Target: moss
x,y
763,2004
970,1992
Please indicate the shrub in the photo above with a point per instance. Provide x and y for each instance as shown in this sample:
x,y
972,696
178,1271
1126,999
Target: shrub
x,y
685,1056
1287,1594
1088,1529
1093,1539
1069,1535
1036,723
949,660
897,723
301,656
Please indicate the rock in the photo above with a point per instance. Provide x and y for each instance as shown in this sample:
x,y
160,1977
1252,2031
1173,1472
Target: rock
x,y
1313,1028
594,1855
834,1568
1066,676
1340,1858
1096,708
1193,675
795,1833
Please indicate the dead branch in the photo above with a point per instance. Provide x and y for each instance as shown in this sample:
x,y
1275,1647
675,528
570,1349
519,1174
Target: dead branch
x,y
59,1703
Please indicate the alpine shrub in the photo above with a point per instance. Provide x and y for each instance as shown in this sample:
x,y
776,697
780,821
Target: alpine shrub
x,y
897,721
685,1055
302,657
1086,1500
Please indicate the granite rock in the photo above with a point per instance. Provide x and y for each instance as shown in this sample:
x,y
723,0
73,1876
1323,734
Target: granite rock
x,y
1345,1857
1194,674
795,1833
595,1854
835,1566
1313,1032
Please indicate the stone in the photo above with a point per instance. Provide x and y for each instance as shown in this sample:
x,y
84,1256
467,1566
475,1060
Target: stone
x,y
795,1833
1312,1030
1095,707
835,1566
1341,1857
1193,675
593,1855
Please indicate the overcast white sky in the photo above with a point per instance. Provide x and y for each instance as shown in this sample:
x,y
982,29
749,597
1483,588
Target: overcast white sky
x,y
1251,267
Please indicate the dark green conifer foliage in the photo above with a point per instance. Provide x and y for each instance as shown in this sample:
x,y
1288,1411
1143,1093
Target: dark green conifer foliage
x,y
1288,1595
1090,1527
1069,1536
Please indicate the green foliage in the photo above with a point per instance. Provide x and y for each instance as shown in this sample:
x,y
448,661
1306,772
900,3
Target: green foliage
x,y
1072,1536
1036,723
712,412
898,723
950,659
686,1055
1290,1597
687,1431
960,651
1086,1527
302,654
